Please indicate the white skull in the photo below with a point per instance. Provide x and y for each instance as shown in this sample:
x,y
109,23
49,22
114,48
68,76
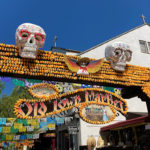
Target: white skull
x,y
118,54
29,38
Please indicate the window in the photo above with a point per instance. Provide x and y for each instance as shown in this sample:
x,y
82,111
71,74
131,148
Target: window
x,y
143,45
149,46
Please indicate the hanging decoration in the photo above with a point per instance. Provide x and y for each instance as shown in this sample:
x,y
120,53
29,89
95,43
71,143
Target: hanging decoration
x,y
22,129
17,82
83,66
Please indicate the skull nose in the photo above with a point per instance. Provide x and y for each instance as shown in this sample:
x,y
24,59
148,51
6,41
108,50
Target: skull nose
x,y
123,58
31,41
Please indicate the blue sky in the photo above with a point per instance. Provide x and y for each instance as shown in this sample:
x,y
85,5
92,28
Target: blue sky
x,y
78,24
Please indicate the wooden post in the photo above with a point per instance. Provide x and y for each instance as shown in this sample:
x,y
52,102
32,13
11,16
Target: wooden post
x,y
135,135
119,136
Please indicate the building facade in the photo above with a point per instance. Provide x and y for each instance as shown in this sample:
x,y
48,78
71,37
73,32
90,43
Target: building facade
x,y
139,41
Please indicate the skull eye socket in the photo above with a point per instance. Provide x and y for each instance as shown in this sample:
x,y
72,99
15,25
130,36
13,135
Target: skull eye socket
x,y
39,37
24,34
128,54
118,52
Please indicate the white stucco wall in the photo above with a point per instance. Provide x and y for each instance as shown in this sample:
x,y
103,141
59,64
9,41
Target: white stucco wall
x,y
132,38
88,130
72,53
141,59
136,105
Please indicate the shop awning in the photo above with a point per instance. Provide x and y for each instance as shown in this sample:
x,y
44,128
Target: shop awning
x,y
122,124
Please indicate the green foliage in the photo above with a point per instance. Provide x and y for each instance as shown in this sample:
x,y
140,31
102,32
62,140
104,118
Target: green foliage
x,y
2,85
8,102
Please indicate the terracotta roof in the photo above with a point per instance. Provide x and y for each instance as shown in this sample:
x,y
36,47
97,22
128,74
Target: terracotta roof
x,y
52,65
126,123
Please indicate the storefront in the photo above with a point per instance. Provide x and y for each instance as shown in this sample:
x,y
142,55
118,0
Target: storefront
x,y
46,141
126,133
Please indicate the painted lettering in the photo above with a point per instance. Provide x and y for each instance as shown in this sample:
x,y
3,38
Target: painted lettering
x,y
42,110
101,97
35,109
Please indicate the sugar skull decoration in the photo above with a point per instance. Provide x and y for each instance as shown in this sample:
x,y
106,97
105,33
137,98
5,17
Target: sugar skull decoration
x,y
118,54
29,38
83,66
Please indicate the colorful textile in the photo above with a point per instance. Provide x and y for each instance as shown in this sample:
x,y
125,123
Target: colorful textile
x,y
2,121
2,137
29,121
9,137
34,81
59,121
29,136
17,82
22,137
23,121
51,126
23,129
30,128
16,137
34,122
1,128
14,130
43,124
50,120
11,120
6,130
43,119
17,125
37,125
35,136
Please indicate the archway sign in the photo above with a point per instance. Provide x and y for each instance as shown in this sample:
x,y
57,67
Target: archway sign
x,y
95,105
47,66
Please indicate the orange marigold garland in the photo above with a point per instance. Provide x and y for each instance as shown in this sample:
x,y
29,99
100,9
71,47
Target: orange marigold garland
x,y
50,64
146,89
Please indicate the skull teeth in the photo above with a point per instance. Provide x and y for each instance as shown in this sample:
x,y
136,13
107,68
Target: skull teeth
x,y
29,49
28,55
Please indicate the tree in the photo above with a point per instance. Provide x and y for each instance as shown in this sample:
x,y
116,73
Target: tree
x,y
2,85
8,102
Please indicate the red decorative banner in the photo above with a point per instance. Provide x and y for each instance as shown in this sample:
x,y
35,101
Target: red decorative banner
x,y
42,108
